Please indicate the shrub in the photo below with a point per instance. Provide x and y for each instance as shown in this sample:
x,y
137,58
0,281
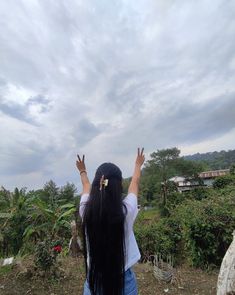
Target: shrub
x,y
200,193
207,228
223,181
46,253
232,169
174,199
157,237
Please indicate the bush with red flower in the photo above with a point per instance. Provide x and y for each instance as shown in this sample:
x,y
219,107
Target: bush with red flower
x,y
57,249
46,253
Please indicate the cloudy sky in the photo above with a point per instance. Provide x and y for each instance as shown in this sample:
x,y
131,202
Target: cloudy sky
x,y
103,77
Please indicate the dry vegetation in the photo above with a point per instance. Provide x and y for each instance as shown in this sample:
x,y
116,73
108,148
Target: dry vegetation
x,y
22,279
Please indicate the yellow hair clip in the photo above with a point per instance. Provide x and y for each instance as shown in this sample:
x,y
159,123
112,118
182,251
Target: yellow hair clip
x,y
105,182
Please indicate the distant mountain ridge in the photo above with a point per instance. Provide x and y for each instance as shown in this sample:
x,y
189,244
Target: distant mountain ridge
x,y
214,160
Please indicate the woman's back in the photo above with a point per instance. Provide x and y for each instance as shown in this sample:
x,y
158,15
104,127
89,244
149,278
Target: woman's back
x,y
110,245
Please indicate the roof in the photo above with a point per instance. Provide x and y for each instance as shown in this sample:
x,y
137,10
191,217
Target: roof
x,y
177,178
214,173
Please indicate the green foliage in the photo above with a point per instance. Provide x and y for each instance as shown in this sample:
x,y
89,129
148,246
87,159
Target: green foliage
x,y
67,193
45,257
125,185
207,228
200,193
163,161
188,168
215,160
156,237
5,269
198,223
223,181
44,221
232,169
175,199
50,193
29,217
163,165
12,222
198,226
150,189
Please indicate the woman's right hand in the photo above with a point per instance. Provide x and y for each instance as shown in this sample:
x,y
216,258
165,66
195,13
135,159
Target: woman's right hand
x,y
140,157
134,185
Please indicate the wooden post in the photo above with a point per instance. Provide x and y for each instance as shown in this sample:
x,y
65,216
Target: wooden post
x,y
74,247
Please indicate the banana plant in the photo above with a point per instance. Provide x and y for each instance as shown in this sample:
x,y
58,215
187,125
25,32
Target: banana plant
x,y
44,221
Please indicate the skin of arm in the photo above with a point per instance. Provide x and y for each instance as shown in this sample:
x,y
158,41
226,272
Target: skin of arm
x,y
83,173
134,185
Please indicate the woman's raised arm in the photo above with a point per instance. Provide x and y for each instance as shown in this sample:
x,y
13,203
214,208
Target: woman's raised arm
x,y
134,185
83,173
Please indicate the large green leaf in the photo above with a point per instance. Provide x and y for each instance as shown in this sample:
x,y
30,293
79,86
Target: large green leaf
x,y
67,213
29,231
69,205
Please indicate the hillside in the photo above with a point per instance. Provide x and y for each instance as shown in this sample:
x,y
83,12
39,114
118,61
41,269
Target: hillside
x,y
215,160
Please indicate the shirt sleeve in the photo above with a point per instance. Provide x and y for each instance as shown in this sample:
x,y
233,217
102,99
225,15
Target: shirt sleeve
x,y
131,204
83,201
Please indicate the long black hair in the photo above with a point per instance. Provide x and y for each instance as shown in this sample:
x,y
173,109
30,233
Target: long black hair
x,y
103,233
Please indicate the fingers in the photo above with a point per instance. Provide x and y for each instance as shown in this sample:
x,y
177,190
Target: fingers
x,y
140,153
83,158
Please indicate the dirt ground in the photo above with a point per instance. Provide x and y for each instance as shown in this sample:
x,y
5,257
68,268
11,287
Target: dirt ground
x,y
19,280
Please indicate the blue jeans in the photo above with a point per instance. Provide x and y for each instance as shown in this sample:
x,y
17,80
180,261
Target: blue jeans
x,y
130,284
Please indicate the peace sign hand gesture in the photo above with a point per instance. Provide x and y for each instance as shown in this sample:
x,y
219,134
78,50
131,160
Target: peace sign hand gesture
x,y
140,157
82,169
81,164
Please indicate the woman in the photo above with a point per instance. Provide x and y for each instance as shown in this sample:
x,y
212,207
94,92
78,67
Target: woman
x,y
110,245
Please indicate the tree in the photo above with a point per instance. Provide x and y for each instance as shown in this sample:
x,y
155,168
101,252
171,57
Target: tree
x,y
5,199
189,169
163,162
13,221
67,193
125,185
50,193
163,165
150,188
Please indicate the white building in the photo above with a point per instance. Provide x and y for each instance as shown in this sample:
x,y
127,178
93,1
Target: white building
x,y
208,177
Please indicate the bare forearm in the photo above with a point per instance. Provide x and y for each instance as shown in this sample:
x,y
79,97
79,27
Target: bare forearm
x,y
134,185
137,173
80,163
85,182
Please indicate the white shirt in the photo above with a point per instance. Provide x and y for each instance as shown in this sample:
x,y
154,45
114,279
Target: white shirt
x,y
132,250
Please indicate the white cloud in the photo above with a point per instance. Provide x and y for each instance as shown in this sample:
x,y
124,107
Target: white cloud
x,y
226,140
103,77
17,94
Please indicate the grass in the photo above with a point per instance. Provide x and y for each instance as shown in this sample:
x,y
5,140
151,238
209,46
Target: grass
x,y
5,269
151,213
148,216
